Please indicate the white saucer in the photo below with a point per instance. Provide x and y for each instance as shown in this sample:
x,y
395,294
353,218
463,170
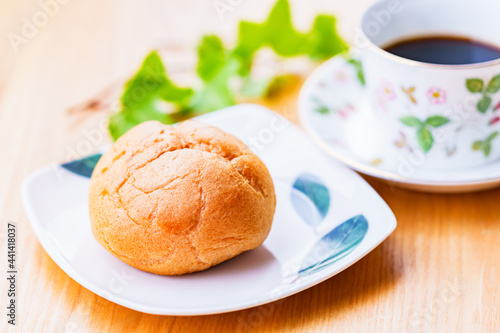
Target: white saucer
x,y
334,110
327,218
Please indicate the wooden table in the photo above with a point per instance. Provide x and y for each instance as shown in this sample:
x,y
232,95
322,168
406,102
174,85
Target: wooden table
x,y
439,271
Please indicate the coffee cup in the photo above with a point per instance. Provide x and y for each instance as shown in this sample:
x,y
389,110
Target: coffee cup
x,y
448,113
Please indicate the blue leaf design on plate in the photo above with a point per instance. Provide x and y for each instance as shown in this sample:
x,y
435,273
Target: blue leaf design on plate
x,y
311,199
335,245
83,166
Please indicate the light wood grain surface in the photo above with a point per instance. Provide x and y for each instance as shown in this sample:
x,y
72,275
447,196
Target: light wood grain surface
x,y
439,271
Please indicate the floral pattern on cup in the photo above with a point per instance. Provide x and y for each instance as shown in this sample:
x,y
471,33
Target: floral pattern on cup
x,y
497,107
494,120
478,86
411,104
410,92
385,93
402,142
436,95
424,135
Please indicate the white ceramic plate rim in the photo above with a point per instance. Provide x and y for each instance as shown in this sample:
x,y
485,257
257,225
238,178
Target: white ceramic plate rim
x,y
356,165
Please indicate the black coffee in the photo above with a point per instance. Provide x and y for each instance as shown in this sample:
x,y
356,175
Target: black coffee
x,y
445,50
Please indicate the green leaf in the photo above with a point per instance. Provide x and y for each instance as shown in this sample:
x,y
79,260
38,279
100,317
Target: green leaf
x,y
250,39
151,83
492,136
474,85
493,85
216,93
147,96
216,68
483,104
487,149
151,95
278,33
211,57
323,41
478,145
437,121
411,121
424,138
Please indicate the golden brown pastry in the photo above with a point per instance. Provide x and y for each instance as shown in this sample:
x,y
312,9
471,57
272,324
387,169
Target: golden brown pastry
x,y
178,200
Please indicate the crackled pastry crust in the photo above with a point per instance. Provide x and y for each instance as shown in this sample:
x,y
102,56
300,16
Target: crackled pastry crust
x,y
178,200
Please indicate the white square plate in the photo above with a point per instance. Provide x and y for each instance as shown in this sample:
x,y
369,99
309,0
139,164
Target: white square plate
x,y
327,218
